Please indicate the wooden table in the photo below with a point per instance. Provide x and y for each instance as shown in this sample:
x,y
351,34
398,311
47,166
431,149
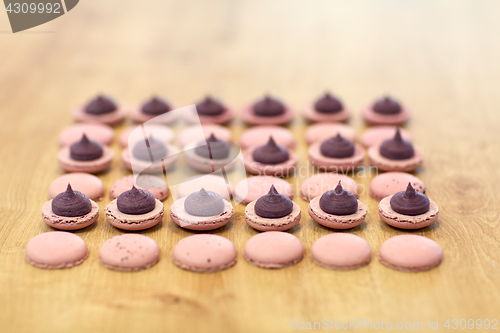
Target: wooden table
x,y
440,58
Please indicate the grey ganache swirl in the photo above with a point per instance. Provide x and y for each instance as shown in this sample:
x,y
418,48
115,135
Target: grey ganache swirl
x,y
213,148
150,150
204,203
273,205
71,203
338,201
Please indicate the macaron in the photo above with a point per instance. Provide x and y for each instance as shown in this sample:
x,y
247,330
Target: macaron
x,y
267,111
326,108
323,131
129,253
202,210
210,111
408,209
209,182
98,132
155,109
252,188
410,253
341,251
85,156
272,212
211,155
138,133
56,250
270,159
196,133
336,154
70,210
390,183
318,184
101,109
135,209
149,156
204,253
274,249
337,209
386,111
376,135
260,135
395,154
86,183
155,185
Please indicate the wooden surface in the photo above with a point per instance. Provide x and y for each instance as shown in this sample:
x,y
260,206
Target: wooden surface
x,y
441,58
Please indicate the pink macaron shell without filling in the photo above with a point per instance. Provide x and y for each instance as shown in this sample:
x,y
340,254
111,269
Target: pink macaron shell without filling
x,y
323,131
98,132
209,182
153,184
86,183
378,134
249,116
273,249
259,135
310,113
252,188
390,183
341,251
318,184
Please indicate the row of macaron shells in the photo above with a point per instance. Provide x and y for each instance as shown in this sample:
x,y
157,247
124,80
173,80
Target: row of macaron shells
x,y
269,110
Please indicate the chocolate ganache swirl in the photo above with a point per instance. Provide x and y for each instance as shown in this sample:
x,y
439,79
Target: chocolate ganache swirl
x,y
71,203
136,202
210,107
397,148
273,205
268,107
328,104
85,150
155,106
100,105
387,105
410,202
337,147
213,148
270,153
338,201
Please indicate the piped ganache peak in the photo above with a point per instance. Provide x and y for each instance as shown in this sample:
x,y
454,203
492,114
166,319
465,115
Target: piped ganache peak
x,y
328,104
395,154
337,147
136,201
154,149
273,205
71,203
337,209
410,202
86,150
272,212
267,111
100,105
387,105
408,209
338,202
397,148
210,107
155,106
135,209
269,107
204,203
271,153
70,210
213,148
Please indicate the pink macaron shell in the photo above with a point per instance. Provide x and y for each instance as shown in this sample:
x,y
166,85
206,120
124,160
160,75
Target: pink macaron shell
x,y
341,251
324,131
70,165
376,135
341,165
86,183
148,167
195,134
56,250
209,182
410,253
204,253
392,218
249,116
252,188
165,118
280,169
273,249
185,220
385,164
129,252
112,119
390,183
98,132
371,117
269,224
133,222
259,135
336,221
192,117
158,131
69,223
320,183
153,184
312,115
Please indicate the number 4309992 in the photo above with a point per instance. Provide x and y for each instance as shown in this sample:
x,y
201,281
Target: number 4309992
x,y
471,324
24,8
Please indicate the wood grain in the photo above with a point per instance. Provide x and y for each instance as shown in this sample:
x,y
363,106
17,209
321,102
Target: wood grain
x,y
441,58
